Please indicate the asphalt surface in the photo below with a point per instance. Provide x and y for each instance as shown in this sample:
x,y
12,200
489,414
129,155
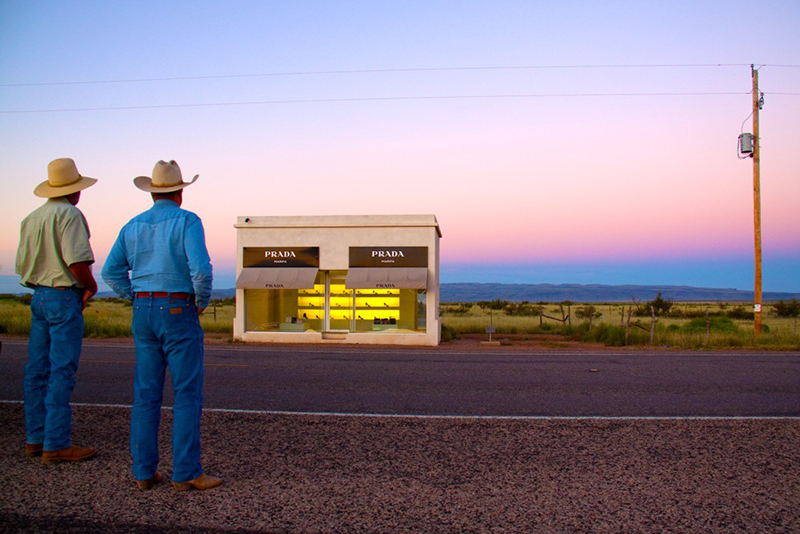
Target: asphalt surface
x,y
734,469
483,381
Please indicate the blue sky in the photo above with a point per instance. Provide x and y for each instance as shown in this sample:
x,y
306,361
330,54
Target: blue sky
x,y
467,110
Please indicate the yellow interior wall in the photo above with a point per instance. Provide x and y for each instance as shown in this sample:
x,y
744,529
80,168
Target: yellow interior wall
x,y
408,310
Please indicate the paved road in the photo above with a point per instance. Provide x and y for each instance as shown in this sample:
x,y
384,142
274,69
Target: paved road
x,y
308,473
495,381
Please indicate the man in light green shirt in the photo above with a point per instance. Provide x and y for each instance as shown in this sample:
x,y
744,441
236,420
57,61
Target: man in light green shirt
x,y
52,238
54,259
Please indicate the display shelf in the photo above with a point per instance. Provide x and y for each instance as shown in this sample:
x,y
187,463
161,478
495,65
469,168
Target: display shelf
x,y
371,308
317,291
307,306
378,302
371,316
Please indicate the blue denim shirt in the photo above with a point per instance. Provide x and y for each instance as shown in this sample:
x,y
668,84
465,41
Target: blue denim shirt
x,y
161,249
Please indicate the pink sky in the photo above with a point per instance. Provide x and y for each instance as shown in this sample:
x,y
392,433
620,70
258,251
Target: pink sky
x,y
512,180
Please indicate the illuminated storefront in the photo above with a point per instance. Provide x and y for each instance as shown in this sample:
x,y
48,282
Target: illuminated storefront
x,y
356,279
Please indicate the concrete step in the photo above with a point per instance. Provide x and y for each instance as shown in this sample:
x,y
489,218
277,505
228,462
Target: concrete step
x,y
334,336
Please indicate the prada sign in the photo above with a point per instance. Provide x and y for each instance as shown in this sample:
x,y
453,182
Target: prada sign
x,y
281,257
388,256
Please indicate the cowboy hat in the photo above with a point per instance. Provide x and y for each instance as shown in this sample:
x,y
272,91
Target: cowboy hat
x,y
166,179
63,179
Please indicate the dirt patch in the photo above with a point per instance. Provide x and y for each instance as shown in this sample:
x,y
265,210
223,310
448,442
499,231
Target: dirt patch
x,y
538,342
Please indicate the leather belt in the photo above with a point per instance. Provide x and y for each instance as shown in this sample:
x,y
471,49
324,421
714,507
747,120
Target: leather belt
x,y
163,295
60,288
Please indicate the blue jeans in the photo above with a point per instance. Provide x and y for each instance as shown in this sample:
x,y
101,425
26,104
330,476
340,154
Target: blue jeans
x,y
167,334
54,349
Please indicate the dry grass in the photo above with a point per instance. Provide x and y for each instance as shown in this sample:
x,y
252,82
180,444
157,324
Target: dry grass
x,y
106,318
112,318
780,333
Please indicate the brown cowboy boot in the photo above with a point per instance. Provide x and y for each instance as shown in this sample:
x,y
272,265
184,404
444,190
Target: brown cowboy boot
x,y
148,483
33,449
70,454
203,482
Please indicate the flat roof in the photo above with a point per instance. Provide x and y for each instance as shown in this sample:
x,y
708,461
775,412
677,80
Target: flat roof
x,y
338,221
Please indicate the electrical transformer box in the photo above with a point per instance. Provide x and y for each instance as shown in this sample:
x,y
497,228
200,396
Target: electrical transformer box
x,y
746,143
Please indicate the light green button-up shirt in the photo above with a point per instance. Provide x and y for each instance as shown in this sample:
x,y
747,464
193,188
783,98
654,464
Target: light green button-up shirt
x,y
51,239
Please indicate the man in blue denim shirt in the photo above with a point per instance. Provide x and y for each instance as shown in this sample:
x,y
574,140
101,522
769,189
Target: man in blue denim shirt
x,y
160,261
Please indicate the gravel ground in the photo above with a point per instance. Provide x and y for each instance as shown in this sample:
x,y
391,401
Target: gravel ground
x,y
287,473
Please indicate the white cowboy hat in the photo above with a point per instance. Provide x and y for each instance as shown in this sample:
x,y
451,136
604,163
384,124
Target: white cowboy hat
x,y
167,178
63,179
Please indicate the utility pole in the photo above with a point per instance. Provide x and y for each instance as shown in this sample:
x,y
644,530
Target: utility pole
x,y
757,103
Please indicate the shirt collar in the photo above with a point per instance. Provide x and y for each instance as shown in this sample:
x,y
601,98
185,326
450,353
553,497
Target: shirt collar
x,y
165,202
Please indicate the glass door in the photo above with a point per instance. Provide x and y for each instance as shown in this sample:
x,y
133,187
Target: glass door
x,y
339,304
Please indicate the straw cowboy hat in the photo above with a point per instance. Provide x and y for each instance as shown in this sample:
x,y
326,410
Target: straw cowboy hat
x,y
63,179
166,179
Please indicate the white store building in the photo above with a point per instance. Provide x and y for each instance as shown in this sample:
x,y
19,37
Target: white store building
x,y
356,279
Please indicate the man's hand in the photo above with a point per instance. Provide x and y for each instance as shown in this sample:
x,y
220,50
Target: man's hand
x,y
200,311
86,296
82,272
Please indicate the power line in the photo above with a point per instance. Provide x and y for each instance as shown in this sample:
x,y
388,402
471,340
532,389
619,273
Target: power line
x,y
381,71
374,99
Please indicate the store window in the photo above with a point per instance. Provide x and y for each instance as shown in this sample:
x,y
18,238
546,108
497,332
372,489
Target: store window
x,y
273,279
389,285
389,310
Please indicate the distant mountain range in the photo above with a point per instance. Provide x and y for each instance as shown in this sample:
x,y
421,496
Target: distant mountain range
x,y
595,293
467,292
471,292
